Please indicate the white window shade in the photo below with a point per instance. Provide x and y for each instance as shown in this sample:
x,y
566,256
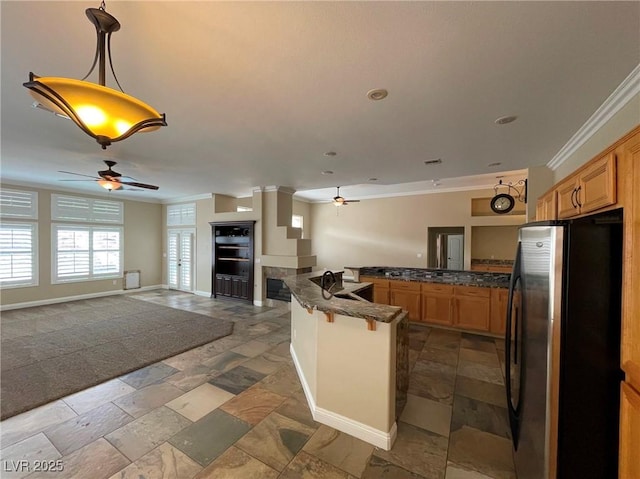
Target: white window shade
x,y
181,215
18,204
18,261
87,210
86,252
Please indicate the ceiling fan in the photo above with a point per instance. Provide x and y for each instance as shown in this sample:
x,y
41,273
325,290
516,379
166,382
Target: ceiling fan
x,y
111,180
340,201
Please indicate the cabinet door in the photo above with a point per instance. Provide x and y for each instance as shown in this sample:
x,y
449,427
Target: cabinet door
x,y
499,299
549,206
407,300
540,210
472,312
598,185
566,197
380,294
437,308
629,462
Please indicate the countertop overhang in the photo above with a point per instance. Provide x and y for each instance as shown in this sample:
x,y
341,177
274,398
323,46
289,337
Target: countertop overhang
x,y
311,296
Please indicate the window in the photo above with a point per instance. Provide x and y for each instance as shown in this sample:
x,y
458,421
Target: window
x,y
183,215
18,262
86,252
86,210
18,238
297,221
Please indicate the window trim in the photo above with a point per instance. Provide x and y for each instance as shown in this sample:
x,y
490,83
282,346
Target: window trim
x,y
55,279
35,279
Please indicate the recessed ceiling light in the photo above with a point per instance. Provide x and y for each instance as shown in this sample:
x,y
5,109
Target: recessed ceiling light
x,y
377,94
327,172
497,163
503,120
330,153
436,161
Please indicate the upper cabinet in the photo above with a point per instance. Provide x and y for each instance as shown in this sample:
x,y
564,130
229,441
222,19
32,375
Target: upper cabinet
x,y
589,189
546,207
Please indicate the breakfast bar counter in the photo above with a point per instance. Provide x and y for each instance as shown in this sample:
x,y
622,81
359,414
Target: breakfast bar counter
x,y
351,356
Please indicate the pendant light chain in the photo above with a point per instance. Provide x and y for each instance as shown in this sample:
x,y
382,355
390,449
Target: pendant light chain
x,y
103,6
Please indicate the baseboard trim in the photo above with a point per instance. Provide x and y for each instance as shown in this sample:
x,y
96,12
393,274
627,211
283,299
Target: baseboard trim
x,y
44,302
206,294
376,437
257,302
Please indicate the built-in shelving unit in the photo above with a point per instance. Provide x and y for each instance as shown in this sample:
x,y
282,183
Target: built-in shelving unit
x,y
232,260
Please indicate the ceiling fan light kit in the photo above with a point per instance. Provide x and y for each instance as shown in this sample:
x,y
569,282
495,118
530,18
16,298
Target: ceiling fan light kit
x,y
110,179
101,112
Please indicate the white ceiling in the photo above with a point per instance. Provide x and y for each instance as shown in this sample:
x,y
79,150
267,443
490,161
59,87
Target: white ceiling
x,y
256,92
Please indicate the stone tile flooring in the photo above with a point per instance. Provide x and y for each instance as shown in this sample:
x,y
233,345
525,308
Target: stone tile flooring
x,y
234,408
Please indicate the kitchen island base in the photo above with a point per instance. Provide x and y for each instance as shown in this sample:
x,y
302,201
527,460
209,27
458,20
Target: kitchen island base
x,y
354,371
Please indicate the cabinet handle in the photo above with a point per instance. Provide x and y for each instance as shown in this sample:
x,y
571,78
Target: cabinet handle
x,y
578,196
573,193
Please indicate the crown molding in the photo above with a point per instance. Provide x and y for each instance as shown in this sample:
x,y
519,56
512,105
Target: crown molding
x,y
622,95
184,199
280,189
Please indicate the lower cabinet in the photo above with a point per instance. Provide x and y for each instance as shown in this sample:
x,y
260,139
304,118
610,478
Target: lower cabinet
x,y
472,308
629,463
232,286
380,289
407,298
499,300
437,303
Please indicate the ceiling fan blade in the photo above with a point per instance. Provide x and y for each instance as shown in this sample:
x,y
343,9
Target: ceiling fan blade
x,y
139,185
78,180
79,174
352,201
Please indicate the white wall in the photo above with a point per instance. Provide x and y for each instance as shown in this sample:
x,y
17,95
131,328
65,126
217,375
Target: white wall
x,y
393,231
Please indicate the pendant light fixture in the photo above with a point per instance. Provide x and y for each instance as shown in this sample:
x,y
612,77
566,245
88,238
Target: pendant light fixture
x,y
106,114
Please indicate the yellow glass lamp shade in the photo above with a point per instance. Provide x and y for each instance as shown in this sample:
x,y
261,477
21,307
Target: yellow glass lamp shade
x,y
106,114
110,185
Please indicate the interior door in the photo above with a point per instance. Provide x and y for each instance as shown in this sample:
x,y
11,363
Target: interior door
x,y
180,259
455,251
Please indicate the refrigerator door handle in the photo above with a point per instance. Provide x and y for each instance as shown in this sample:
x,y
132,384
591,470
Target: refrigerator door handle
x,y
515,278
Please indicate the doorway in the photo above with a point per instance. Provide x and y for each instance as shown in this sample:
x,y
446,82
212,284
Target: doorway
x,y
180,246
445,247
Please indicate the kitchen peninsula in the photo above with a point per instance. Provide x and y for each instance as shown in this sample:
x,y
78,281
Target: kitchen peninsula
x,y
351,356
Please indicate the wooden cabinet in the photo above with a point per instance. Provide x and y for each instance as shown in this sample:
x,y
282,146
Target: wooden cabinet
x,y
591,188
406,294
546,207
472,308
232,258
499,300
437,303
380,289
629,454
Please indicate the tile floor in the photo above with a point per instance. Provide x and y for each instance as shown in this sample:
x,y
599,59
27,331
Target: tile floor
x,y
234,408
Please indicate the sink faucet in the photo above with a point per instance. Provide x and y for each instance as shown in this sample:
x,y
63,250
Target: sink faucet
x,y
323,280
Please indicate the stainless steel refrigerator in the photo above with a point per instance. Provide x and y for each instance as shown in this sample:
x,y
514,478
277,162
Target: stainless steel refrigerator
x,y
562,348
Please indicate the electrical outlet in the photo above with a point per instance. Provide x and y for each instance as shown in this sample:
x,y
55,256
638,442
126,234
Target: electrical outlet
x,y
114,281
419,255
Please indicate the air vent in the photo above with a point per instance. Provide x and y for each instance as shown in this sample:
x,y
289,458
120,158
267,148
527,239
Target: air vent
x,y
433,162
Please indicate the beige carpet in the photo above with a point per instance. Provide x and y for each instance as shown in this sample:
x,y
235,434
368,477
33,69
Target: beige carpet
x,y
49,352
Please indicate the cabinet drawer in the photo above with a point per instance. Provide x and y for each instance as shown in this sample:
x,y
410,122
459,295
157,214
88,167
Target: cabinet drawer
x,y
379,282
405,286
472,291
437,288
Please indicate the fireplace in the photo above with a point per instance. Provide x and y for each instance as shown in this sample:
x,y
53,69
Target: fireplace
x,y
276,289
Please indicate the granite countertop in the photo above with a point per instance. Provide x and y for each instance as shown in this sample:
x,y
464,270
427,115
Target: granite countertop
x,y
310,295
461,278
495,262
